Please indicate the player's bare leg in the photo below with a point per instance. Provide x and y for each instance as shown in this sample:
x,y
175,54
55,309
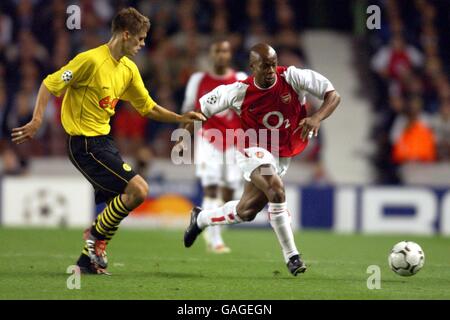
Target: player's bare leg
x,y
135,193
107,223
212,234
266,179
252,201
265,187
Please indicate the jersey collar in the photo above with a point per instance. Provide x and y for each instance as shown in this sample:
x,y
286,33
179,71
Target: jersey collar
x,y
273,85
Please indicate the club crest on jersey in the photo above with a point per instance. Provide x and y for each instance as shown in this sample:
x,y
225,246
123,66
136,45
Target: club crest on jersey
x,y
286,97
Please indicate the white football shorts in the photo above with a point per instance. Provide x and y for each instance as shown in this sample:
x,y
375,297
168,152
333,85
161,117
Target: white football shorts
x,y
256,157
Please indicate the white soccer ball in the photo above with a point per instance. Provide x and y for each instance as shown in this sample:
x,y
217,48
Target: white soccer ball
x,y
406,258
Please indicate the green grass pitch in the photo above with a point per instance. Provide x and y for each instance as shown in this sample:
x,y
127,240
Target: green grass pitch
x,y
153,264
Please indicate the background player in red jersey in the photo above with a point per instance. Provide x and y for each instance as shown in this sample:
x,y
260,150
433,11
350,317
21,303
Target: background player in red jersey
x,y
219,179
271,99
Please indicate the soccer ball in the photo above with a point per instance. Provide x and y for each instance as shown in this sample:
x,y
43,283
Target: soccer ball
x,y
406,258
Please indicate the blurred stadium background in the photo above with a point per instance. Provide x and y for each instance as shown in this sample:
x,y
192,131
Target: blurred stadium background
x,y
380,163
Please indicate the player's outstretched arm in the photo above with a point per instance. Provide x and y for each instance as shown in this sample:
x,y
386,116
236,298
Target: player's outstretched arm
x,y
161,114
27,132
310,125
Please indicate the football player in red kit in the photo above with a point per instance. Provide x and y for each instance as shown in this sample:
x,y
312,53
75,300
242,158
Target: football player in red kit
x,y
219,179
270,100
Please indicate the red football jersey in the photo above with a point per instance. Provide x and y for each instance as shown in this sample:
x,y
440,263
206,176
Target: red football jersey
x,y
201,83
279,107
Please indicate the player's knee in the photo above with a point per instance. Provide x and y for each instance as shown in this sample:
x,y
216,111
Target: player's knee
x,y
141,192
138,191
276,194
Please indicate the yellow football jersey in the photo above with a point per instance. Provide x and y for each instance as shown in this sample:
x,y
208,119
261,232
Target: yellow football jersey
x,y
94,82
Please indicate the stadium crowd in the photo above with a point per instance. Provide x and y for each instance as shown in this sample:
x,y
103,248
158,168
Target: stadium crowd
x,y
409,59
408,62
35,41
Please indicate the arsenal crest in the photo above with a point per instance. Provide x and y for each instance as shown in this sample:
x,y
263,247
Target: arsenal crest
x,y
286,97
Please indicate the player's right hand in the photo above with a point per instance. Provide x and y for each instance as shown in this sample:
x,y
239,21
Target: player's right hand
x,y
310,126
192,116
25,133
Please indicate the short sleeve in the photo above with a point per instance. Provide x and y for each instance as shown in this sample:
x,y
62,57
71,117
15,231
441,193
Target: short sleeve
x,y
241,76
223,97
137,94
309,81
72,74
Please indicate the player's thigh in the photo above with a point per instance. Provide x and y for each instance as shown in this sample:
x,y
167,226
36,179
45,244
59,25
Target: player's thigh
x,y
269,182
265,177
231,179
209,173
252,158
100,162
208,159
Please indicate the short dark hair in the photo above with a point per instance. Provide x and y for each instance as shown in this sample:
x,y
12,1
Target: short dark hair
x,y
129,19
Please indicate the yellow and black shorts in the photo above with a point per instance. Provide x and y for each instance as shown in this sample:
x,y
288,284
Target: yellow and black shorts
x,y
98,159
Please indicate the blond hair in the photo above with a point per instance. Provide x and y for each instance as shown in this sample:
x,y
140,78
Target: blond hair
x,y
131,20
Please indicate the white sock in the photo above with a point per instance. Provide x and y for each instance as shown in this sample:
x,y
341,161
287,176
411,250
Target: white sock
x,y
213,234
225,214
280,220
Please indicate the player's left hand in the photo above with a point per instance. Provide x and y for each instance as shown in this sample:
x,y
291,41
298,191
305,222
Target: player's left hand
x,y
192,116
310,127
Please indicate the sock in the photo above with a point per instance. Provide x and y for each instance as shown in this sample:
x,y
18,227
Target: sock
x,y
114,212
280,220
107,238
225,214
213,234
107,222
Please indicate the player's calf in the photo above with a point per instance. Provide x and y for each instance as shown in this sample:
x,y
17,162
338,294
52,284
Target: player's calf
x,y
200,219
